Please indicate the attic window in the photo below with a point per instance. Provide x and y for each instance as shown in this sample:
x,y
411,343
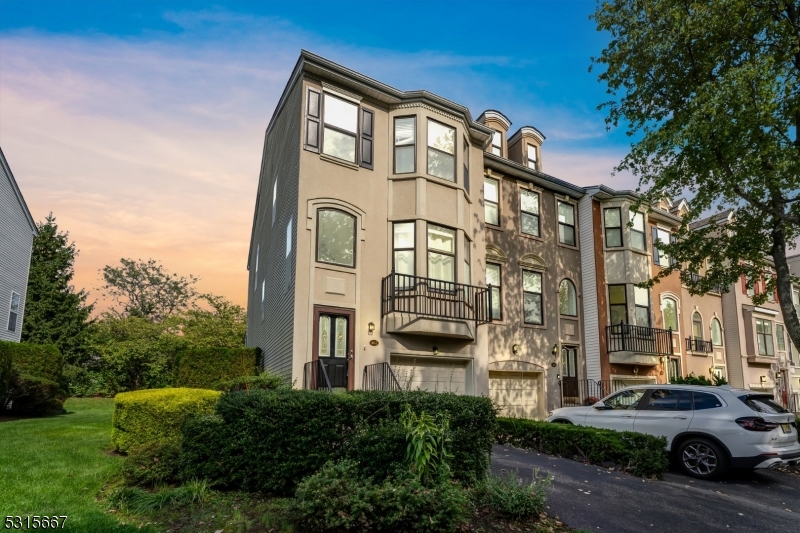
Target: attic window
x,y
532,157
497,143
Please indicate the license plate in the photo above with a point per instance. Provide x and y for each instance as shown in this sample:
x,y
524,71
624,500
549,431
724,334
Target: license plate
x,y
786,428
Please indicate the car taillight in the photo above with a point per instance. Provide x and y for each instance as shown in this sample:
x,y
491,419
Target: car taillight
x,y
755,423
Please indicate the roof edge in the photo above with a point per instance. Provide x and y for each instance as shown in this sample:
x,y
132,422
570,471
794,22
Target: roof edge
x,y
18,193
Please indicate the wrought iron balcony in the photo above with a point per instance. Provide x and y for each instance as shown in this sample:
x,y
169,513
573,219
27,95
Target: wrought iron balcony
x,y
638,339
380,377
694,279
414,295
693,344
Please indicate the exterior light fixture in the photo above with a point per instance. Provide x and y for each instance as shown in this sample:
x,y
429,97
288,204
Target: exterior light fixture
x,y
435,350
635,370
763,379
555,349
515,349
371,327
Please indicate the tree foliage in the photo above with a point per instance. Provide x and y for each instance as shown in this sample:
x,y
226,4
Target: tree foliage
x,y
710,91
55,313
147,290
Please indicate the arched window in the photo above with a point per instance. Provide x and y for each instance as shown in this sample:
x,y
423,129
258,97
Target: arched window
x,y
716,332
669,310
697,326
567,298
336,237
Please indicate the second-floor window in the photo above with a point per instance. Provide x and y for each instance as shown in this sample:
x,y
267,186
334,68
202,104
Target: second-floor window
x,y
466,166
441,151
780,336
340,128
497,143
663,236
491,201
566,223
336,237
567,298
669,311
612,220
532,157
637,232
13,312
493,279
716,332
697,326
617,304
403,244
532,297
641,302
764,337
405,139
529,212
441,253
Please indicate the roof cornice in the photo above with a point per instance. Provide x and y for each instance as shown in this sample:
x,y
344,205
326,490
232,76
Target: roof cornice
x,y
18,193
527,131
546,181
497,115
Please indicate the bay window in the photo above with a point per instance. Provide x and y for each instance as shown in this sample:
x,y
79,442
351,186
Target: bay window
x,y
405,140
641,303
617,304
637,232
441,253
441,151
612,222
764,336
403,247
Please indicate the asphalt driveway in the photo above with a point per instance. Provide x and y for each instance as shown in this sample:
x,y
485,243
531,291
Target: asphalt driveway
x,y
596,499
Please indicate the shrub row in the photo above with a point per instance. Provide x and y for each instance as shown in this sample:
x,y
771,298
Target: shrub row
x,y
31,376
156,415
642,455
268,440
205,368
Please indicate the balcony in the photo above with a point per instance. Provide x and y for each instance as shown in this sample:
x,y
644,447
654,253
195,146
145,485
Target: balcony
x,y
695,345
637,345
694,279
425,306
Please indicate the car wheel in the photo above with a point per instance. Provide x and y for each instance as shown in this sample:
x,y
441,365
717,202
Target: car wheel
x,y
702,458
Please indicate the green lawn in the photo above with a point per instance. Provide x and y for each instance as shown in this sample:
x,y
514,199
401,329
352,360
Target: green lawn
x,y
57,466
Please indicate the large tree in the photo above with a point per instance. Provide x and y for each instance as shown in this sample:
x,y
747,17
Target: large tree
x,y
710,92
55,313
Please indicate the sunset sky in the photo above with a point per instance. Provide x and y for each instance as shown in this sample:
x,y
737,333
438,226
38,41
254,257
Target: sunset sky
x,y
140,124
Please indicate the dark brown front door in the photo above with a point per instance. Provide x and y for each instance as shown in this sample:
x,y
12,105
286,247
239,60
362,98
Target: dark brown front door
x,y
569,371
334,329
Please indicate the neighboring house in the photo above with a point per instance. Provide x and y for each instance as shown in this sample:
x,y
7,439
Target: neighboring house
x,y
17,230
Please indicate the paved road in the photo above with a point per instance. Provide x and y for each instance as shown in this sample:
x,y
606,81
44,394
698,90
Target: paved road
x,y
596,499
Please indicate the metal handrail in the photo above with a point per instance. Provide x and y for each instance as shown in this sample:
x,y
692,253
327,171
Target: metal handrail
x,y
311,376
576,393
640,339
693,344
379,376
404,293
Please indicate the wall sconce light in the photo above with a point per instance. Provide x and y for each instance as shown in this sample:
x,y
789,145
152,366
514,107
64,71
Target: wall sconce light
x,y
371,327
555,349
435,350
763,379
515,349
635,370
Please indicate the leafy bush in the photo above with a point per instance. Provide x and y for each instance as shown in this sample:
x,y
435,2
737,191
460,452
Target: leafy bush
x,y
338,498
511,497
204,368
146,416
643,455
269,440
35,378
691,379
425,443
152,464
265,380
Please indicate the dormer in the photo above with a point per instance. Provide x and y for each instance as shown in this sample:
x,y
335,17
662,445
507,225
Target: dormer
x,y
525,147
500,124
680,208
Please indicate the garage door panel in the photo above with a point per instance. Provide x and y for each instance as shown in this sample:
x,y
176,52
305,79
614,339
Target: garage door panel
x,y
433,376
517,394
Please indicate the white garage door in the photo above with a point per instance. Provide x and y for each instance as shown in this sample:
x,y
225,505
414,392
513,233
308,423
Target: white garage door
x,y
518,394
435,376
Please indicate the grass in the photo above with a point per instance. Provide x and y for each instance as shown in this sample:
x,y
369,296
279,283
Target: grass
x,y
57,465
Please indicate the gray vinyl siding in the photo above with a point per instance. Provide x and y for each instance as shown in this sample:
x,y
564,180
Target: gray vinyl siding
x,y
733,345
281,161
591,326
16,240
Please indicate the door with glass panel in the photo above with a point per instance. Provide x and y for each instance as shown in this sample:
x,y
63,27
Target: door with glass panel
x,y
333,345
569,371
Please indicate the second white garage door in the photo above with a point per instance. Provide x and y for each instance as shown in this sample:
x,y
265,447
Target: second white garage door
x,y
518,394
427,375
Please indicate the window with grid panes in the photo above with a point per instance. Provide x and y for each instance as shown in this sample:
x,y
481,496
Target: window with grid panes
x,y
529,212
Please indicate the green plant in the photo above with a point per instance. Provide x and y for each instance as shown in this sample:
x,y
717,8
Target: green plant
x,y
35,377
152,464
691,379
265,380
426,451
140,501
142,417
207,367
338,498
270,439
511,497
640,454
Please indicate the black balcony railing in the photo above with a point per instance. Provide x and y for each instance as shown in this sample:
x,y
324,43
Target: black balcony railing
x,y
403,293
575,393
693,344
639,339
694,279
380,377
315,376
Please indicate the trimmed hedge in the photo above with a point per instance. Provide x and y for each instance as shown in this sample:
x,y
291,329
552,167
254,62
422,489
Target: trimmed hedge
x,y
265,380
205,368
643,455
156,415
269,440
31,376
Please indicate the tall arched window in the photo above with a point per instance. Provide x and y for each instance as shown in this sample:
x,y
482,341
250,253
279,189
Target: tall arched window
x,y
716,332
336,237
697,326
670,311
567,298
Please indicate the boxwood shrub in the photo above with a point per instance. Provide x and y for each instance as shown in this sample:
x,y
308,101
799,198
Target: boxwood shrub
x,y
31,376
156,415
268,440
640,454
205,368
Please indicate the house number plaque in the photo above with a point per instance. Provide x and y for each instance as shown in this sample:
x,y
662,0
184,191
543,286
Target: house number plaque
x,y
373,342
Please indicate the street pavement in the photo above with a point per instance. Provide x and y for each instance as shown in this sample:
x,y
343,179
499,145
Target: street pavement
x,y
597,499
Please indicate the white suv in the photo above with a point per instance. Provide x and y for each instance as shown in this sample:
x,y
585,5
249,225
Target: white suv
x,y
708,429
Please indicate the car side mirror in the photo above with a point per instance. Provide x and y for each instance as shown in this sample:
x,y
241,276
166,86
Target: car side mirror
x,y
600,405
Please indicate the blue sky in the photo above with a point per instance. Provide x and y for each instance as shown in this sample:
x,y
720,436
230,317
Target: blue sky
x,y
139,124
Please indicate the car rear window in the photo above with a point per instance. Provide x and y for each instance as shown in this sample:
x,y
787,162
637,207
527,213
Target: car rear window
x,y
703,400
762,404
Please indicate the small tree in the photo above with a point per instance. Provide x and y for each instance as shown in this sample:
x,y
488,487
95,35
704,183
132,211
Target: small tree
x,y
145,289
218,323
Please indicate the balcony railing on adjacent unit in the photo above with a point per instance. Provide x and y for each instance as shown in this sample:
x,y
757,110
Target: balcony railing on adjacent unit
x,y
403,293
380,377
639,339
693,278
693,344
315,377
578,392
